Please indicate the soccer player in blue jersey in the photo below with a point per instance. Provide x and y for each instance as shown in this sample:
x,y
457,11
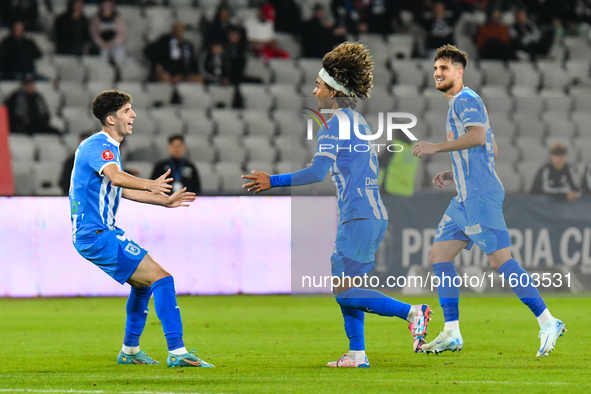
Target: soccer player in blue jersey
x,y
96,186
475,215
347,74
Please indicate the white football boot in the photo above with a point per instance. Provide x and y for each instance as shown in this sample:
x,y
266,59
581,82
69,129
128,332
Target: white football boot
x,y
549,333
446,340
347,361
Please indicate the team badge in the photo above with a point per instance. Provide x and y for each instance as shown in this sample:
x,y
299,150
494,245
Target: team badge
x,y
108,155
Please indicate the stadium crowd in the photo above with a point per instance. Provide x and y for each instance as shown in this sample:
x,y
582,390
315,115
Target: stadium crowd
x,y
208,69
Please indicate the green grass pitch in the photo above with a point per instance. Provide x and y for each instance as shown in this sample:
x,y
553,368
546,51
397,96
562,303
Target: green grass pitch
x,y
280,344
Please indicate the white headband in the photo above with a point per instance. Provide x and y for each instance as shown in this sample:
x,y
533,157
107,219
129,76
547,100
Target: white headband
x,y
330,81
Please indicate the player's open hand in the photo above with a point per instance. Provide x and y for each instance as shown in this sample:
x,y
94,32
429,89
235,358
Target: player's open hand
x,y
181,198
161,185
260,181
443,179
424,148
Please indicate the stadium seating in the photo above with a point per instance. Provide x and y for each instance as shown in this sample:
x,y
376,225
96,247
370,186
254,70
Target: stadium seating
x,y
529,104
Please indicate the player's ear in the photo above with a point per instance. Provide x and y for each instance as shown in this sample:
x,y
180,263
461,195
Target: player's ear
x,y
110,121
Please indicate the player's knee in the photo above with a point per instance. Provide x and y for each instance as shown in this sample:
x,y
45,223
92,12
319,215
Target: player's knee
x,y
160,273
435,258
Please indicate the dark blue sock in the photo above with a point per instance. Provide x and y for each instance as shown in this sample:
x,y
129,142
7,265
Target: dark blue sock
x,y
373,301
449,295
529,294
354,320
168,312
137,312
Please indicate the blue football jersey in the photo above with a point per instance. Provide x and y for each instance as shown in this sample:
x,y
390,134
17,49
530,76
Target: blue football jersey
x,y
474,168
354,171
93,199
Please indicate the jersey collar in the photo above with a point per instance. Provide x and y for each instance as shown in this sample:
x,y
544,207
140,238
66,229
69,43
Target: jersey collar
x,y
457,94
109,138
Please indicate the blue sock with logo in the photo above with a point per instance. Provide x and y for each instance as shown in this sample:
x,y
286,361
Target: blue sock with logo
x,y
168,312
372,301
449,295
354,322
529,294
137,313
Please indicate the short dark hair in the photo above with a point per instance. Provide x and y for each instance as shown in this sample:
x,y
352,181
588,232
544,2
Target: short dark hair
x,y
453,54
108,103
175,137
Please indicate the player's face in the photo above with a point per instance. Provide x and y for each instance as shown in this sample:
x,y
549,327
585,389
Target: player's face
x,y
323,94
446,75
124,120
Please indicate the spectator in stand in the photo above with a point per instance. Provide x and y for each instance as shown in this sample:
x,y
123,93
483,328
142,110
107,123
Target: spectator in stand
x,y
108,31
493,39
235,52
173,58
217,30
475,5
25,11
69,165
383,17
18,54
28,112
586,181
288,17
526,37
215,66
260,31
71,31
318,36
439,23
182,171
350,14
557,178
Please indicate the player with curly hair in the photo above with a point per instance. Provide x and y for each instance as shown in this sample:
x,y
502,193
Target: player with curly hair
x,y
345,77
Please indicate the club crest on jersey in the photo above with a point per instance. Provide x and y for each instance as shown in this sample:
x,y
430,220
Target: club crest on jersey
x,y
108,155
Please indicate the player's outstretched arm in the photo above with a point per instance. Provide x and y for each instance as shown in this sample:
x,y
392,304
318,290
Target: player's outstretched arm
x,y
315,172
259,182
181,198
476,136
159,186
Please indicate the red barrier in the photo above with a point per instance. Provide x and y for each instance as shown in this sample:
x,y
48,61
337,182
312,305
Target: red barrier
x,y
6,179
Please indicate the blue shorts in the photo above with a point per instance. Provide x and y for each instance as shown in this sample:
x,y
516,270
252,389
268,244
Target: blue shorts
x,y
477,220
355,246
116,255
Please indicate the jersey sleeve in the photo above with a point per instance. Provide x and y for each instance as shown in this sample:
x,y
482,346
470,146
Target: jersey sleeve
x,y
470,110
328,140
100,154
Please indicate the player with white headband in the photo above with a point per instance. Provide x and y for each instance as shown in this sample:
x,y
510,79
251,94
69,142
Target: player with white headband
x,y
346,75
